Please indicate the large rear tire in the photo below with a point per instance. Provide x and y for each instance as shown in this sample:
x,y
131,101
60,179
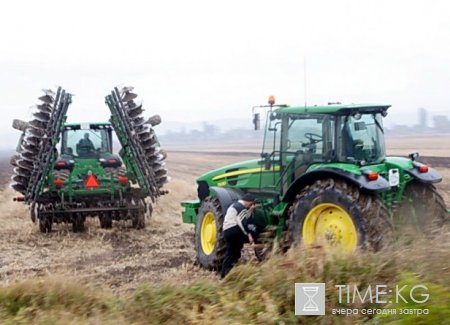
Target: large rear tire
x,y
423,209
335,214
210,243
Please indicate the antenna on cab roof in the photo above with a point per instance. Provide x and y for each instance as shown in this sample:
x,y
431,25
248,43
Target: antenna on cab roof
x,y
304,80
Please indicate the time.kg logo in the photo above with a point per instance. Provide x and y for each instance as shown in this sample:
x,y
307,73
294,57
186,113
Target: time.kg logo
x,y
310,299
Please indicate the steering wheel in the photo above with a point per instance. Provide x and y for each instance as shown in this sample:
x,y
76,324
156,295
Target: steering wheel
x,y
313,137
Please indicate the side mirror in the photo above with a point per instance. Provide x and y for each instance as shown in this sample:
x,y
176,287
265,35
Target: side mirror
x,y
256,121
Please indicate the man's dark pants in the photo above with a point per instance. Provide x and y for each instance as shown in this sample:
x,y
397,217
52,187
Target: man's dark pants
x,y
235,240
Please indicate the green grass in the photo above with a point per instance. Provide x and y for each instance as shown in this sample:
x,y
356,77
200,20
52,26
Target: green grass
x,y
251,294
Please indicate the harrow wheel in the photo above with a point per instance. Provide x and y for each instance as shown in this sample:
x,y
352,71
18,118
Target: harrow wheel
x,y
105,220
45,222
78,222
138,216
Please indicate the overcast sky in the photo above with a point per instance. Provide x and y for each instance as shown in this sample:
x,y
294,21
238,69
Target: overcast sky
x,y
196,60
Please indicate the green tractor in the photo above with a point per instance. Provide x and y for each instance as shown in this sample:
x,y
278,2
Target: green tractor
x,y
68,172
323,179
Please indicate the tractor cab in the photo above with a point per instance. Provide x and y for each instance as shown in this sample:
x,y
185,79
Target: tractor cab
x,y
86,141
298,137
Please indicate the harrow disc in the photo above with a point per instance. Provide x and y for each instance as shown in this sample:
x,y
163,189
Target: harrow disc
x,y
20,179
46,108
14,160
37,124
147,136
128,95
42,116
25,164
37,132
135,111
19,188
47,99
30,147
28,154
138,121
22,171
49,92
32,139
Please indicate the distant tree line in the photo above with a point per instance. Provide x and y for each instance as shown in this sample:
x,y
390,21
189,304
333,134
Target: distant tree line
x,y
210,132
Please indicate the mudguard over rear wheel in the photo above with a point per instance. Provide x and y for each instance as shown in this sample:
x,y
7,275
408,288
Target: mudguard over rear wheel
x,y
333,213
209,240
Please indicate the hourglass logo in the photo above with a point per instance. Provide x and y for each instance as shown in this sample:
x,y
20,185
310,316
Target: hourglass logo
x,y
310,298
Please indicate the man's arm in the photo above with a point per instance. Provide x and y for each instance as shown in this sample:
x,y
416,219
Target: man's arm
x,y
241,216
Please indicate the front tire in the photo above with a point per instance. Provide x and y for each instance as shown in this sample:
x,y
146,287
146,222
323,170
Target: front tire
x,y
333,213
210,243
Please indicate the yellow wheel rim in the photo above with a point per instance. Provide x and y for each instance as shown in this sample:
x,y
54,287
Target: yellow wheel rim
x,y
208,233
330,225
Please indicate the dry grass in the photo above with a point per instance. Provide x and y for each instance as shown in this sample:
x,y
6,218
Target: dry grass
x,y
252,293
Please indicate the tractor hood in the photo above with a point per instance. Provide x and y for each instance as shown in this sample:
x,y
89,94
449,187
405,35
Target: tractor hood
x,y
244,174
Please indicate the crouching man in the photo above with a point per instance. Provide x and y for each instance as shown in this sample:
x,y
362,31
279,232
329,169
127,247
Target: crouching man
x,y
238,229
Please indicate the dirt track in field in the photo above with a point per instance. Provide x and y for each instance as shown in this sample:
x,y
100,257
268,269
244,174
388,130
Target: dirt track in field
x,y
120,258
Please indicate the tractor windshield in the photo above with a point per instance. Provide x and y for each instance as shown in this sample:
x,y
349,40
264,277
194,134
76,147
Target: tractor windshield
x,y
361,139
89,143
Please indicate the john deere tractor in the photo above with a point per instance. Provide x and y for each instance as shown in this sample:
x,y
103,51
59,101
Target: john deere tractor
x,y
68,172
323,179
